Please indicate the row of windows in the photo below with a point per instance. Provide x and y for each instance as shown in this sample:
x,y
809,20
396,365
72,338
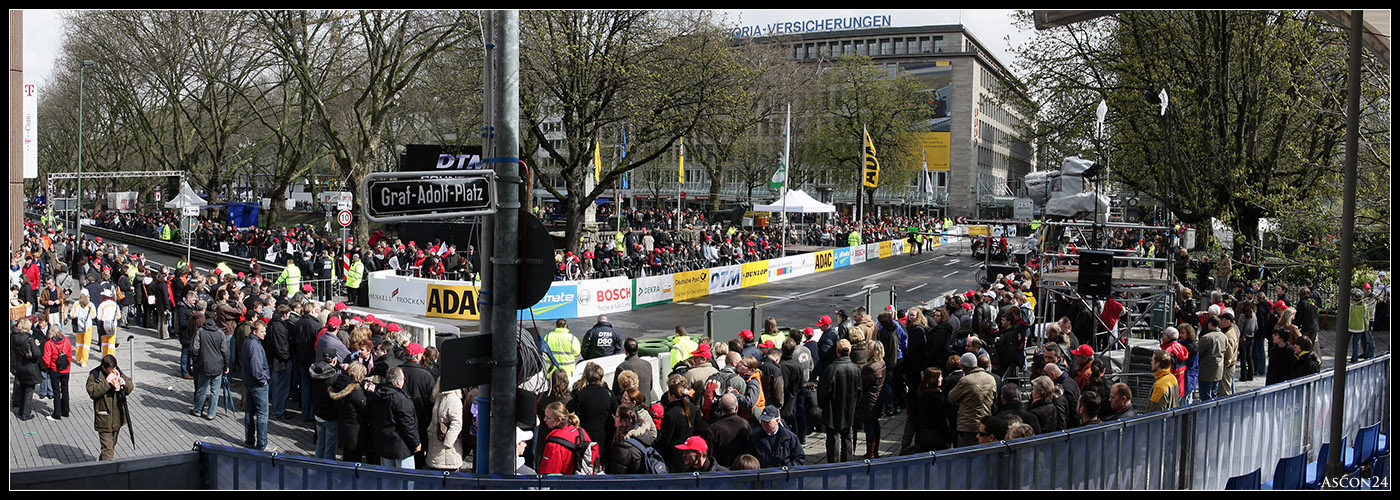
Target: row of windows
x,y
871,47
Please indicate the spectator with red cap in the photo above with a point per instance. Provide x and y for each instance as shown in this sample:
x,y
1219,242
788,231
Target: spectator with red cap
x,y
700,366
329,342
750,348
825,352
419,385
695,454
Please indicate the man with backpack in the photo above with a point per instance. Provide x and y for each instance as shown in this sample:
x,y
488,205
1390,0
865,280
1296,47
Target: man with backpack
x,y
725,381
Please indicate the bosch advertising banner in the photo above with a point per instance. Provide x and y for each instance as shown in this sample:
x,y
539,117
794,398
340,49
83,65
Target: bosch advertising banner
x,y
602,296
825,260
841,257
691,284
652,290
857,254
781,268
755,273
725,278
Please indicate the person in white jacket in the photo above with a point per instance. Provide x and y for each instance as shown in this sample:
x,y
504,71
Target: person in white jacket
x,y
107,314
445,449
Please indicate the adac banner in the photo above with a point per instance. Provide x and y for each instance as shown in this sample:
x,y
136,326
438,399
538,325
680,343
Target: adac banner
x,y
872,251
602,296
560,302
691,284
857,254
806,264
453,302
398,294
825,260
755,273
725,278
842,257
886,249
651,290
781,268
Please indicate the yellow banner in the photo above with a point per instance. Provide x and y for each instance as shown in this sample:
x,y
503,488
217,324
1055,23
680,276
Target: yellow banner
x,y
978,231
936,146
826,260
872,165
886,249
755,273
453,302
691,284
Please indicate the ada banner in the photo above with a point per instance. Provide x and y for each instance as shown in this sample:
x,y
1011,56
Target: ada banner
x,y
842,257
453,302
692,284
825,261
725,278
781,268
651,290
857,254
755,273
602,296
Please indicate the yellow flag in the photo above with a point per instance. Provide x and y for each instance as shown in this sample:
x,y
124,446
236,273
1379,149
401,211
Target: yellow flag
x,y
597,163
681,174
872,165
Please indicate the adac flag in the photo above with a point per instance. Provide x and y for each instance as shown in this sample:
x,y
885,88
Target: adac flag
x,y
624,159
681,168
872,164
597,163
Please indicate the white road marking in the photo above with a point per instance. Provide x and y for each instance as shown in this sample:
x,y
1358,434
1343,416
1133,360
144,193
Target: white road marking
x,y
701,304
864,289
950,274
950,263
917,287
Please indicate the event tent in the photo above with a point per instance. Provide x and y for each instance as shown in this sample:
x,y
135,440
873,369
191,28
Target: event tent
x,y
797,202
186,198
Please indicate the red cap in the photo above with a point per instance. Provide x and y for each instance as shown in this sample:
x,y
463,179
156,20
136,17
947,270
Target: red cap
x,y
340,306
1083,350
240,275
1280,305
824,321
394,327
694,443
333,322
358,319
767,344
1365,286
703,351
808,332
414,349
747,335
369,318
305,288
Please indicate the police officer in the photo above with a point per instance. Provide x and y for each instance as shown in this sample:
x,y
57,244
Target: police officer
x,y
354,279
563,347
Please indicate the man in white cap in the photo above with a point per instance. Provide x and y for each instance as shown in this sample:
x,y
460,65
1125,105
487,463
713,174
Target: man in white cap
x,y
973,394
521,437
108,312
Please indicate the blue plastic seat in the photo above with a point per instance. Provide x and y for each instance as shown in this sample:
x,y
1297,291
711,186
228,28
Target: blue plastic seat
x,y
1317,470
1248,481
1366,438
1382,443
1289,474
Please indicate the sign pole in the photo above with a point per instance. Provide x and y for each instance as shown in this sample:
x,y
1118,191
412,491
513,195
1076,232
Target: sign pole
x,y
507,263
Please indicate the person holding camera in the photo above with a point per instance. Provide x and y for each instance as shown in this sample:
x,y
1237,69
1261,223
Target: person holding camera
x,y
109,387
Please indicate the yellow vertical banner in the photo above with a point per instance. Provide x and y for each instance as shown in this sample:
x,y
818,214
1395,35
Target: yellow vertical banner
x,y
681,168
872,164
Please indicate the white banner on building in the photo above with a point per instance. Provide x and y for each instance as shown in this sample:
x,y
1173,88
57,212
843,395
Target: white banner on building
x,y
806,264
602,296
31,131
781,268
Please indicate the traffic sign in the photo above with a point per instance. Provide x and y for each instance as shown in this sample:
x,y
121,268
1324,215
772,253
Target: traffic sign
x,y
406,196
191,211
343,218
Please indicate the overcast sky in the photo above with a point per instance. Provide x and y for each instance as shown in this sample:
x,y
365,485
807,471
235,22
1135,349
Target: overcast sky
x,y
43,35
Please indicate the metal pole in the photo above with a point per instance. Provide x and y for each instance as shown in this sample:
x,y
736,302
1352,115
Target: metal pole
x,y
78,214
1339,359
507,262
485,294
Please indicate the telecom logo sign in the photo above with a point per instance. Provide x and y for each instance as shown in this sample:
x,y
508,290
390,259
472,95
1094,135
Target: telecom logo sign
x,y
652,290
453,302
842,257
726,278
560,302
755,273
692,284
806,264
601,296
781,268
825,261
857,254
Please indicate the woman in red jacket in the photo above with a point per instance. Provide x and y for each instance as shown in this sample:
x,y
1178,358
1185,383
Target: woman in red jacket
x,y
555,458
57,347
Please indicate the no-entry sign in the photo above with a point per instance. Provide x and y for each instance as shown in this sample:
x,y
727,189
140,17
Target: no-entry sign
x,y
343,218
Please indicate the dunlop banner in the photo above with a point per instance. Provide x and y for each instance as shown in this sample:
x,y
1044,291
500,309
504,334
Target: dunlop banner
x,y
755,273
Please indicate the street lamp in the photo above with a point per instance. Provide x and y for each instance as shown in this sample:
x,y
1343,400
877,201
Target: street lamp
x,y
78,214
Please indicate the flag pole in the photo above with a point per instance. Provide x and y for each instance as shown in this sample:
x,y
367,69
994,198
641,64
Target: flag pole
x,y
680,184
787,150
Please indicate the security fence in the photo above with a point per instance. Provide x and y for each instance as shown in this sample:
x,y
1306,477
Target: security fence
x,y
1195,447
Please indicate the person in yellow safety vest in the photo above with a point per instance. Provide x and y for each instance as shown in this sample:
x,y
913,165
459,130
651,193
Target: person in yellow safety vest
x,y
681,346
181,264
563,347
224,270
165,232
1035,224
353,279
853,239
292,275
620,240
771,332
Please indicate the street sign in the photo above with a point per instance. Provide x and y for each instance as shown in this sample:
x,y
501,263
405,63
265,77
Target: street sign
x,y
190,211
343,218
406,196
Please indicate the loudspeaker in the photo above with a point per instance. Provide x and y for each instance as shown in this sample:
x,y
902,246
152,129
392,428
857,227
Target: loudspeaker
x,y
1095,273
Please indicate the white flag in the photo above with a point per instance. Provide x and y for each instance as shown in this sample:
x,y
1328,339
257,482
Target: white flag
x,y
1163,96
779,180
1102,111
928,176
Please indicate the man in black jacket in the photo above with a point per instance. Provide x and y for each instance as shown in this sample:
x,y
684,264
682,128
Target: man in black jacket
x,y
418,385
393,423
210,351
26,353
637,365
729,433
836,393
773,444
327,428
1010,400
601,340
279,361
794,391
304,355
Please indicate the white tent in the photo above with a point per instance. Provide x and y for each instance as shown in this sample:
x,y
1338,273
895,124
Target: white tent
x,y
186,198
797,202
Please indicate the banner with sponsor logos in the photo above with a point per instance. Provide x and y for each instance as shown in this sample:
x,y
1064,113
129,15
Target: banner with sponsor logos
x,y
725,278
754,273
691,284
898,247
398,294
886,249
781,268
452,301
857,254
651,290
842,257
872,251
602,296
825,261
806,264
560,302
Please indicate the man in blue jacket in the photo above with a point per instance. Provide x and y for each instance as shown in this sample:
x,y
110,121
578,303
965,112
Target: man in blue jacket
x,y
256,375
773,444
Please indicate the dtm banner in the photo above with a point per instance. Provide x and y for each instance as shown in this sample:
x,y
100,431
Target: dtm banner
x,y
602,296
725,278
453,302
781,268
755,273
692,284
842,257
825,261
651,290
